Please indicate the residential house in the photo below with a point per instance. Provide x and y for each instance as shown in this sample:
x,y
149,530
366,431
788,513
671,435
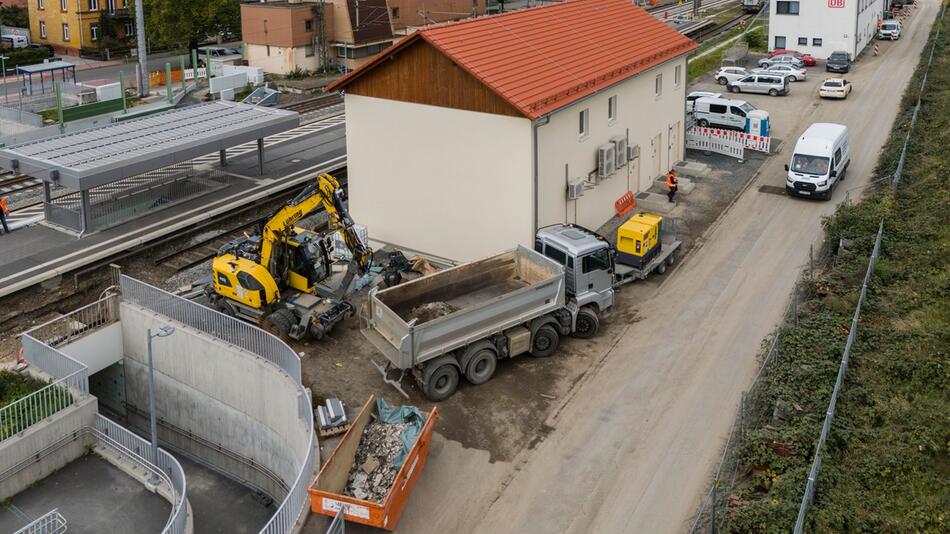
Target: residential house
x,y
87,26
361,29
820,28
281,37
408,15
464,138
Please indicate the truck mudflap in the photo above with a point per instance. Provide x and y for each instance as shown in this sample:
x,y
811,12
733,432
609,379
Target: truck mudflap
x,y
389,371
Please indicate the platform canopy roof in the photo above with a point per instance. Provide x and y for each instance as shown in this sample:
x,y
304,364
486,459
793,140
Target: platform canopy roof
x,y
46,67
90,158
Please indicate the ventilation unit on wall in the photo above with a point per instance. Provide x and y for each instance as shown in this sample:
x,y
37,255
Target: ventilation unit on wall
x,y
606,161
575,189
633,152
620,150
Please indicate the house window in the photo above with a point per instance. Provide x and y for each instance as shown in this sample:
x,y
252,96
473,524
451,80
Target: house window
x,y
268,50
110,6
786,8
779,42
676,75
63,4
93,5
308,25
42,29
395,13
308,50
94,31
583,127
129,30
803,41
612,109
816,41
40,4
658,89
65,32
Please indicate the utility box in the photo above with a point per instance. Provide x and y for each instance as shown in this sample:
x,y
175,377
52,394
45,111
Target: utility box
x,y
758,123
639,240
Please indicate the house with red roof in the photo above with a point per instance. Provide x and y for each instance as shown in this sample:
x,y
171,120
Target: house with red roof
x,y
464,138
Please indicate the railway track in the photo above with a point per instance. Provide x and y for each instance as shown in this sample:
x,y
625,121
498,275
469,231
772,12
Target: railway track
x,y
713,31
15,184
315,104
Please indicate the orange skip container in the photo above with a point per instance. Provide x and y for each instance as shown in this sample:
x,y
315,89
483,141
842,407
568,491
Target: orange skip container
x,y
326,491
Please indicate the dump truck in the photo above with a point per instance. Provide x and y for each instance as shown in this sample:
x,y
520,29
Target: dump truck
x,y
327,495
460,321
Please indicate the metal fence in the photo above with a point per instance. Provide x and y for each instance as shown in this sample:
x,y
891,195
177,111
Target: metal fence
x,y
256,341
212,322
51,522
338,525
135,449
75,324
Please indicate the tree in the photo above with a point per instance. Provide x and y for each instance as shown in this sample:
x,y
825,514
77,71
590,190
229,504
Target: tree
x,y
14,16
171,22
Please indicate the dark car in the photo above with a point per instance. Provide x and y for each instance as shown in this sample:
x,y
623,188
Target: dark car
x,y
838,62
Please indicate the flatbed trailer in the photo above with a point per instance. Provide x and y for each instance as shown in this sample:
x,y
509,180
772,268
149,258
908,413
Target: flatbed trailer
x,y
624,274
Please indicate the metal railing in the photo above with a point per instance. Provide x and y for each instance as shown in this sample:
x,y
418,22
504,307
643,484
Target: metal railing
x,y
338,525
75,324
256,341
212,322
135,449
51,522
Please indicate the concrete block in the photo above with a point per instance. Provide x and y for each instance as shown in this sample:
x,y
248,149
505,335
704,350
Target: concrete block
x,y
694,169
655,202
685,185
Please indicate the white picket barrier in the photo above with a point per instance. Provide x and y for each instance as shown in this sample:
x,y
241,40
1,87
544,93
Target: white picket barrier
x,y
705,139
751,141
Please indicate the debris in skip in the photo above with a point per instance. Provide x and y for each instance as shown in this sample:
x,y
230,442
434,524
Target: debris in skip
x,y
432,310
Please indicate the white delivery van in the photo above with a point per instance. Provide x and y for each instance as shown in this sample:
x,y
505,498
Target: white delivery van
x,y
721,113
820,159
14,41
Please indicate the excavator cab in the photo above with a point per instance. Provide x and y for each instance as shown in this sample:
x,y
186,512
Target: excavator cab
x,y
309,261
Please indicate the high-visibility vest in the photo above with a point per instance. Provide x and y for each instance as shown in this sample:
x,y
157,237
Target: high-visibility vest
x,y
670,180
3,206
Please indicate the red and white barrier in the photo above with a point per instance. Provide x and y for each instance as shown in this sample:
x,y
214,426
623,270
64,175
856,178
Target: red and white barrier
x,y
704,139
752,142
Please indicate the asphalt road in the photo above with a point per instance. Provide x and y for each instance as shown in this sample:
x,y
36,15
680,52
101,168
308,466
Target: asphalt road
x,y
633,448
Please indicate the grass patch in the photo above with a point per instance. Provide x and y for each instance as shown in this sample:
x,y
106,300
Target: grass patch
x,y
885,467
15,386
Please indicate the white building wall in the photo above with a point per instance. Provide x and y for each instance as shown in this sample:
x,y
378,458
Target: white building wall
x,y
280,60
654,123
446,182
849,28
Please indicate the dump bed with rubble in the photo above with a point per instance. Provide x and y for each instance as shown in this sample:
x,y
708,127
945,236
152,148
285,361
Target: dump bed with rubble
x,y
422,319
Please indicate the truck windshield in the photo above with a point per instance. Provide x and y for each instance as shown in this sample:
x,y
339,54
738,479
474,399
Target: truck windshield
x,y
816,165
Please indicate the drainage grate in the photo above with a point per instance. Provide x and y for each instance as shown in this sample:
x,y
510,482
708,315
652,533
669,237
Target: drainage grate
x,y
772,190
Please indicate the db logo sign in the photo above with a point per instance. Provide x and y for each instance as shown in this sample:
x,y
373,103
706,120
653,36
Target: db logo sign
x,y
835,3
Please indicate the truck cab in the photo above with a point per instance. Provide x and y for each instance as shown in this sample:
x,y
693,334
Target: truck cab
x,y
588,261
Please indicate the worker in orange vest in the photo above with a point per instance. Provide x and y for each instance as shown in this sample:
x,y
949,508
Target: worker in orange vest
x,y
671,184
4,211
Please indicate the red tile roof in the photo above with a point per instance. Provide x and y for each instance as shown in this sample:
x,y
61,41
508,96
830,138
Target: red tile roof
x,y
544,58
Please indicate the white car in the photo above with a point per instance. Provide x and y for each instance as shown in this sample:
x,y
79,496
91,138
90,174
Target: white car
x,y
691,98
890,29
725,75
835,88
793,74
781,59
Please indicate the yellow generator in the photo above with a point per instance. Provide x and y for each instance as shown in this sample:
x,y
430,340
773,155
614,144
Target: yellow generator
x,y
639,239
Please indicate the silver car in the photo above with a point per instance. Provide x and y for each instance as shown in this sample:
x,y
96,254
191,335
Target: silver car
x,y
781,59
729,74
790,72
761,83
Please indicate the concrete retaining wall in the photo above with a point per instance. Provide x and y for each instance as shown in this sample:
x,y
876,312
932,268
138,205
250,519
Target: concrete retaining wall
x,y
221,395
42,435
98,349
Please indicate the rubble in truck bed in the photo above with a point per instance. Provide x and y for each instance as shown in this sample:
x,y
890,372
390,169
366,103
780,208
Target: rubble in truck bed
x,y
432,310
374,470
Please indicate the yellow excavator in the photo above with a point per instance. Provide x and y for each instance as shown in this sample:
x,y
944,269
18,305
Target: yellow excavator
x,y
277,277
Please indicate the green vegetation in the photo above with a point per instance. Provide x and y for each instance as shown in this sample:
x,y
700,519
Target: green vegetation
x,y
172,22
15,386
885,467
701,65
15,16
296,74
25,56
757,40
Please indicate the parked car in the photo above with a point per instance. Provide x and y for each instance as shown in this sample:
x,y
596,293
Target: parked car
x,y
692,97
730,74
889,30
721,113
761,83
807,59
790,72
838,61
835,88
781,59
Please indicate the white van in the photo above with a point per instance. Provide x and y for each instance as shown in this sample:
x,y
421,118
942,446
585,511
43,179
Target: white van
x,y
820,159
721,113
14,41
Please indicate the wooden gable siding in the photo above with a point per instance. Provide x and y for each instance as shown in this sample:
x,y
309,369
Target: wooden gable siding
x,y
422,75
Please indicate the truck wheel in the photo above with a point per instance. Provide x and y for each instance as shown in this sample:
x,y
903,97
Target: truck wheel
x,y
587,324
278,323
481,367
661,268
222,306
442,383
545,342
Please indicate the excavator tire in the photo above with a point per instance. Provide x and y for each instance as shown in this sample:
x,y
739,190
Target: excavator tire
x,y
279,323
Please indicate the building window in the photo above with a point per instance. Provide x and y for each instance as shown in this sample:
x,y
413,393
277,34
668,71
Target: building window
x,y
93,5
677,75
40,4
612,109
308,25
779,42
816,41
395,14
308,50
268,50
583,127
803,41
786,8
94,31
42,29
110,6
65,32
658,89
63,4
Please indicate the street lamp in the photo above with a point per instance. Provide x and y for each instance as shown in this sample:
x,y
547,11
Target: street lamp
x,y
3,65
164,331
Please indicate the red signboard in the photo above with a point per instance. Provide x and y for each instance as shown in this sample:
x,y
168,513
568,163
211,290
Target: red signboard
x,y
835,3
